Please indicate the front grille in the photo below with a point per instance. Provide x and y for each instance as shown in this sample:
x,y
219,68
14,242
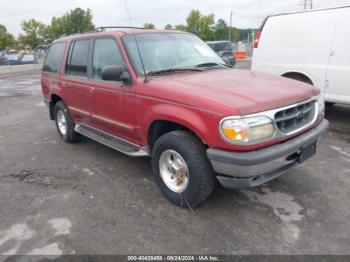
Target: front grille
x,y
295,118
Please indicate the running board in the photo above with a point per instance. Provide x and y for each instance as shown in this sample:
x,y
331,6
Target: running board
x,y
111,141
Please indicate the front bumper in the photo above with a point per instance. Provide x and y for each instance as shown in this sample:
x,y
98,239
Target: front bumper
x,y
250,169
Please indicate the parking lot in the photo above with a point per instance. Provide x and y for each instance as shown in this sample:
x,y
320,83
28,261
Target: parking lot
x,y
85,198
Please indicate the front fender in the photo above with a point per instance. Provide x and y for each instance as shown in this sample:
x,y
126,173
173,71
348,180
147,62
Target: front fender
x,y
200,122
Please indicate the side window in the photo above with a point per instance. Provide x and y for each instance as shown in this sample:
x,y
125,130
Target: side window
x,y
106,52
54,58
78,58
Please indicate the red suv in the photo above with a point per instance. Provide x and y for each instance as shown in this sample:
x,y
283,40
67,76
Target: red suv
x,y
167,95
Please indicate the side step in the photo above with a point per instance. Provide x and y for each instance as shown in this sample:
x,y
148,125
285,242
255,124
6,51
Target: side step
x,y
111,141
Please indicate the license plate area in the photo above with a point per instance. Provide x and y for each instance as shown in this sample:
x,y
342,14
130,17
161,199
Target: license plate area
x,y
307,152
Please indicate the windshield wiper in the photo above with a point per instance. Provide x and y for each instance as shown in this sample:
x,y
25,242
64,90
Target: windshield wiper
x,y
212,64
173,70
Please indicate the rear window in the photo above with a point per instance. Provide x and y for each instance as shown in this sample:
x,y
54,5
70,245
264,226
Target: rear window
x,y
213,46
221,46
78,58
225,46
54,58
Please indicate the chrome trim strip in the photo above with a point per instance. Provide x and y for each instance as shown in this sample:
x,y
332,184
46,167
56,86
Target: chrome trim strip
x,y
271,115
113,122
77,110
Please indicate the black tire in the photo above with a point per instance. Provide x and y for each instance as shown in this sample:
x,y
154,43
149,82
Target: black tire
x,y
329,104
70,136
201,175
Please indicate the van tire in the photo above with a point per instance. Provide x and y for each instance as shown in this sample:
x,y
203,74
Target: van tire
x,y
201,177
60,110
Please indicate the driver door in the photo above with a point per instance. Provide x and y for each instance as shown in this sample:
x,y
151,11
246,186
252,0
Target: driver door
x,y
113,102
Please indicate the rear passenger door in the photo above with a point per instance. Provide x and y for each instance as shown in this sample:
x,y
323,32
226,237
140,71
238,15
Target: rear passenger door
x,y
76,84
113,102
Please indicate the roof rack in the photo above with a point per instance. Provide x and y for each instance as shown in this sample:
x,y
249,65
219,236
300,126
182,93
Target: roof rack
x,y
103,28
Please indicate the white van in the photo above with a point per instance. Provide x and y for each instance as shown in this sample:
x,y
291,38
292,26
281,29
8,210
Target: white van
x,y
311,46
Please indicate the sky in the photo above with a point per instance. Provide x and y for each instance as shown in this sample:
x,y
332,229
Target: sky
x,y
246,13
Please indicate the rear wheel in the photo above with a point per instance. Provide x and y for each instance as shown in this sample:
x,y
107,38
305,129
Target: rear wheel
x,y
182,169
64,123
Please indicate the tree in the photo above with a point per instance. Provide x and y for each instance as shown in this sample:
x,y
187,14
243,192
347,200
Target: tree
x,y
34,31
74,21
168,27
201,25
3,29
6,39
221,30
192,21
181,28
149,26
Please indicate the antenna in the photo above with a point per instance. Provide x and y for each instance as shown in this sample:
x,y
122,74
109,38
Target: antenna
x,y
136,42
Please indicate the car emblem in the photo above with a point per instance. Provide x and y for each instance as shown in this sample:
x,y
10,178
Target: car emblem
x,y
300,115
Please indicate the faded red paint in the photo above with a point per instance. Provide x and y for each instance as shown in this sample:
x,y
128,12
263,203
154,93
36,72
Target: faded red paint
x,y
196,100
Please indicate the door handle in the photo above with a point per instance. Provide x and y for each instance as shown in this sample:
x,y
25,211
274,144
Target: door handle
x,y
92,89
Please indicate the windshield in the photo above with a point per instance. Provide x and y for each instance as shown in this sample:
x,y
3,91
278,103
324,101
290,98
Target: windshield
x,y
168,50
28,57
13,57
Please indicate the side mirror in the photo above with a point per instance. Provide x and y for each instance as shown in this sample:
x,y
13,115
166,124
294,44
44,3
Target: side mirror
x,y
114,73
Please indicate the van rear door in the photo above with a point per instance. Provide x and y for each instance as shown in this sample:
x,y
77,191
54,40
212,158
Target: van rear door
x,y
338,89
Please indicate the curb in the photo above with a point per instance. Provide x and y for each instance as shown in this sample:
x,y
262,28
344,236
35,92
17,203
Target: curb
x,y
6,71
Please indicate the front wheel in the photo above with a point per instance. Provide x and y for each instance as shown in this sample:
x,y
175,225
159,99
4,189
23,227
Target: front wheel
x,y
182,169
64,123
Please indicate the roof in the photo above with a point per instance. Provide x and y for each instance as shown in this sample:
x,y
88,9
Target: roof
x,y
313,10
118,31
301,12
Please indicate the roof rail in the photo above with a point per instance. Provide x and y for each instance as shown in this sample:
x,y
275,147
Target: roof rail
x,y
67,34
103,28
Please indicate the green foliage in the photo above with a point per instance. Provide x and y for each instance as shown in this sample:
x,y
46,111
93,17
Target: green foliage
x,y
33,33
80,21
3,29
221,30
201,25
6,39
204,26
75,21
149,26
181,28
168,27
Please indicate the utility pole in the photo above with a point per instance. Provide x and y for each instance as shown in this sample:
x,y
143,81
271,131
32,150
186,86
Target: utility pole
x,y
230,29
306,4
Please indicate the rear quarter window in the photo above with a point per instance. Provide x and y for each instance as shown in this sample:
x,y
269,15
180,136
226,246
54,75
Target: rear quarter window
x,y
54,58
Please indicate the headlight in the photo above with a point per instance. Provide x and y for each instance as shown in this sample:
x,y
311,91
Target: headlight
x,y
247,130
321,106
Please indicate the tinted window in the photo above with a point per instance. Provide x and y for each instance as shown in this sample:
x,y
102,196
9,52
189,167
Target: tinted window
x,y
78,58
212,46
54,58
225,46
106,52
